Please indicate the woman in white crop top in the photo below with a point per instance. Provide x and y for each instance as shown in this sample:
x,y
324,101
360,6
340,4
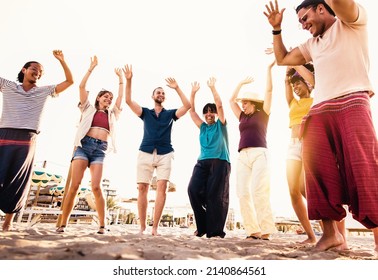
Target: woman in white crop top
x,y
91,143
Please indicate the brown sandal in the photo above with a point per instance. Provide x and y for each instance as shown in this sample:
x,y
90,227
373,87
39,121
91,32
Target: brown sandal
x,y
102,230
252,237
265,236
61,229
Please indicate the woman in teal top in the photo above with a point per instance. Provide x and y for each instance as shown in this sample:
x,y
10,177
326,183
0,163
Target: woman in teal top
x,y
208,188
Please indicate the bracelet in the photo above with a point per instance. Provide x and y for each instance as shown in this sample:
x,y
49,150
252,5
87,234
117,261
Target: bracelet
x,y
121,83
90,71
276,32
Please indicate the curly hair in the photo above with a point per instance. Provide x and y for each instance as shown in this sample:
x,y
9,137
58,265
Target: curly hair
x,y
293,75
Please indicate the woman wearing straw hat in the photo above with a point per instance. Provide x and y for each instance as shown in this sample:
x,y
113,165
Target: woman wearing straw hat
x,y
252,178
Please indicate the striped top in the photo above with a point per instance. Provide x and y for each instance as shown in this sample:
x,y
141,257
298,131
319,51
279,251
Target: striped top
x,y
23,109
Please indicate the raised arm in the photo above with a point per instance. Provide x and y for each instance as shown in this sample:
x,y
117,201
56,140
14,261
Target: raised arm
x,y
269,89
171,82
234,105
118,102
288,87
217,99
345,10
58,54
128,72
193,114
283,56
306,74
82,87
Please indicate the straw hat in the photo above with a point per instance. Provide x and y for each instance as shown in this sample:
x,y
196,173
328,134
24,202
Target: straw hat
x,y
250,96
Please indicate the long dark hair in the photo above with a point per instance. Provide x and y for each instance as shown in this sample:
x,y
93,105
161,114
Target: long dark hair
x,y
20,76
101,93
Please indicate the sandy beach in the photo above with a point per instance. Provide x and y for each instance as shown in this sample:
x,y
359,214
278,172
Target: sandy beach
x,y
122,242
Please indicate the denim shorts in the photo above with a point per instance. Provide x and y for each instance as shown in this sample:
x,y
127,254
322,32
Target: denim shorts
x,y
92,150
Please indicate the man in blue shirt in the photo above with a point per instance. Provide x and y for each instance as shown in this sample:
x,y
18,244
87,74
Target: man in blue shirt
x,y
155,151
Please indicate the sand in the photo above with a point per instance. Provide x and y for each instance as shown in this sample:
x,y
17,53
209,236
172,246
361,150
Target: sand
x,y
123,242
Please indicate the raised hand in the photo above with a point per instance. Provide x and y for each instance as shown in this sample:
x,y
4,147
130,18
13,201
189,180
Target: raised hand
x,y
211,82
195,87
247,80
128,71
118,72
94,63
269,51
273,14
58,55
171,82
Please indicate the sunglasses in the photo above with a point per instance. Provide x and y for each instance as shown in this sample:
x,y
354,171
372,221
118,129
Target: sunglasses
x,y
303,19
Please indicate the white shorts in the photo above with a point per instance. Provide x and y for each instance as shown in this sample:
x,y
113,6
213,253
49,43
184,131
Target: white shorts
x,y
147,163
294,151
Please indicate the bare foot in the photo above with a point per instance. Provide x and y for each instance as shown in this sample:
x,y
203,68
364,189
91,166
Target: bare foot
x,y
308,241
196,233
7,227
154,232
343,246
327,242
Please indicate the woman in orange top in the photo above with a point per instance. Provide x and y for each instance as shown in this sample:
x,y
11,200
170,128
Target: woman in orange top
x,y
299,107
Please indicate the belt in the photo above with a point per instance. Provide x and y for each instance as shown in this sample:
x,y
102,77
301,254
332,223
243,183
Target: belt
x,y
95,140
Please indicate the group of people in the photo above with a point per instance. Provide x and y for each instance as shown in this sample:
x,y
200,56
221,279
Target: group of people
x,y
332,156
